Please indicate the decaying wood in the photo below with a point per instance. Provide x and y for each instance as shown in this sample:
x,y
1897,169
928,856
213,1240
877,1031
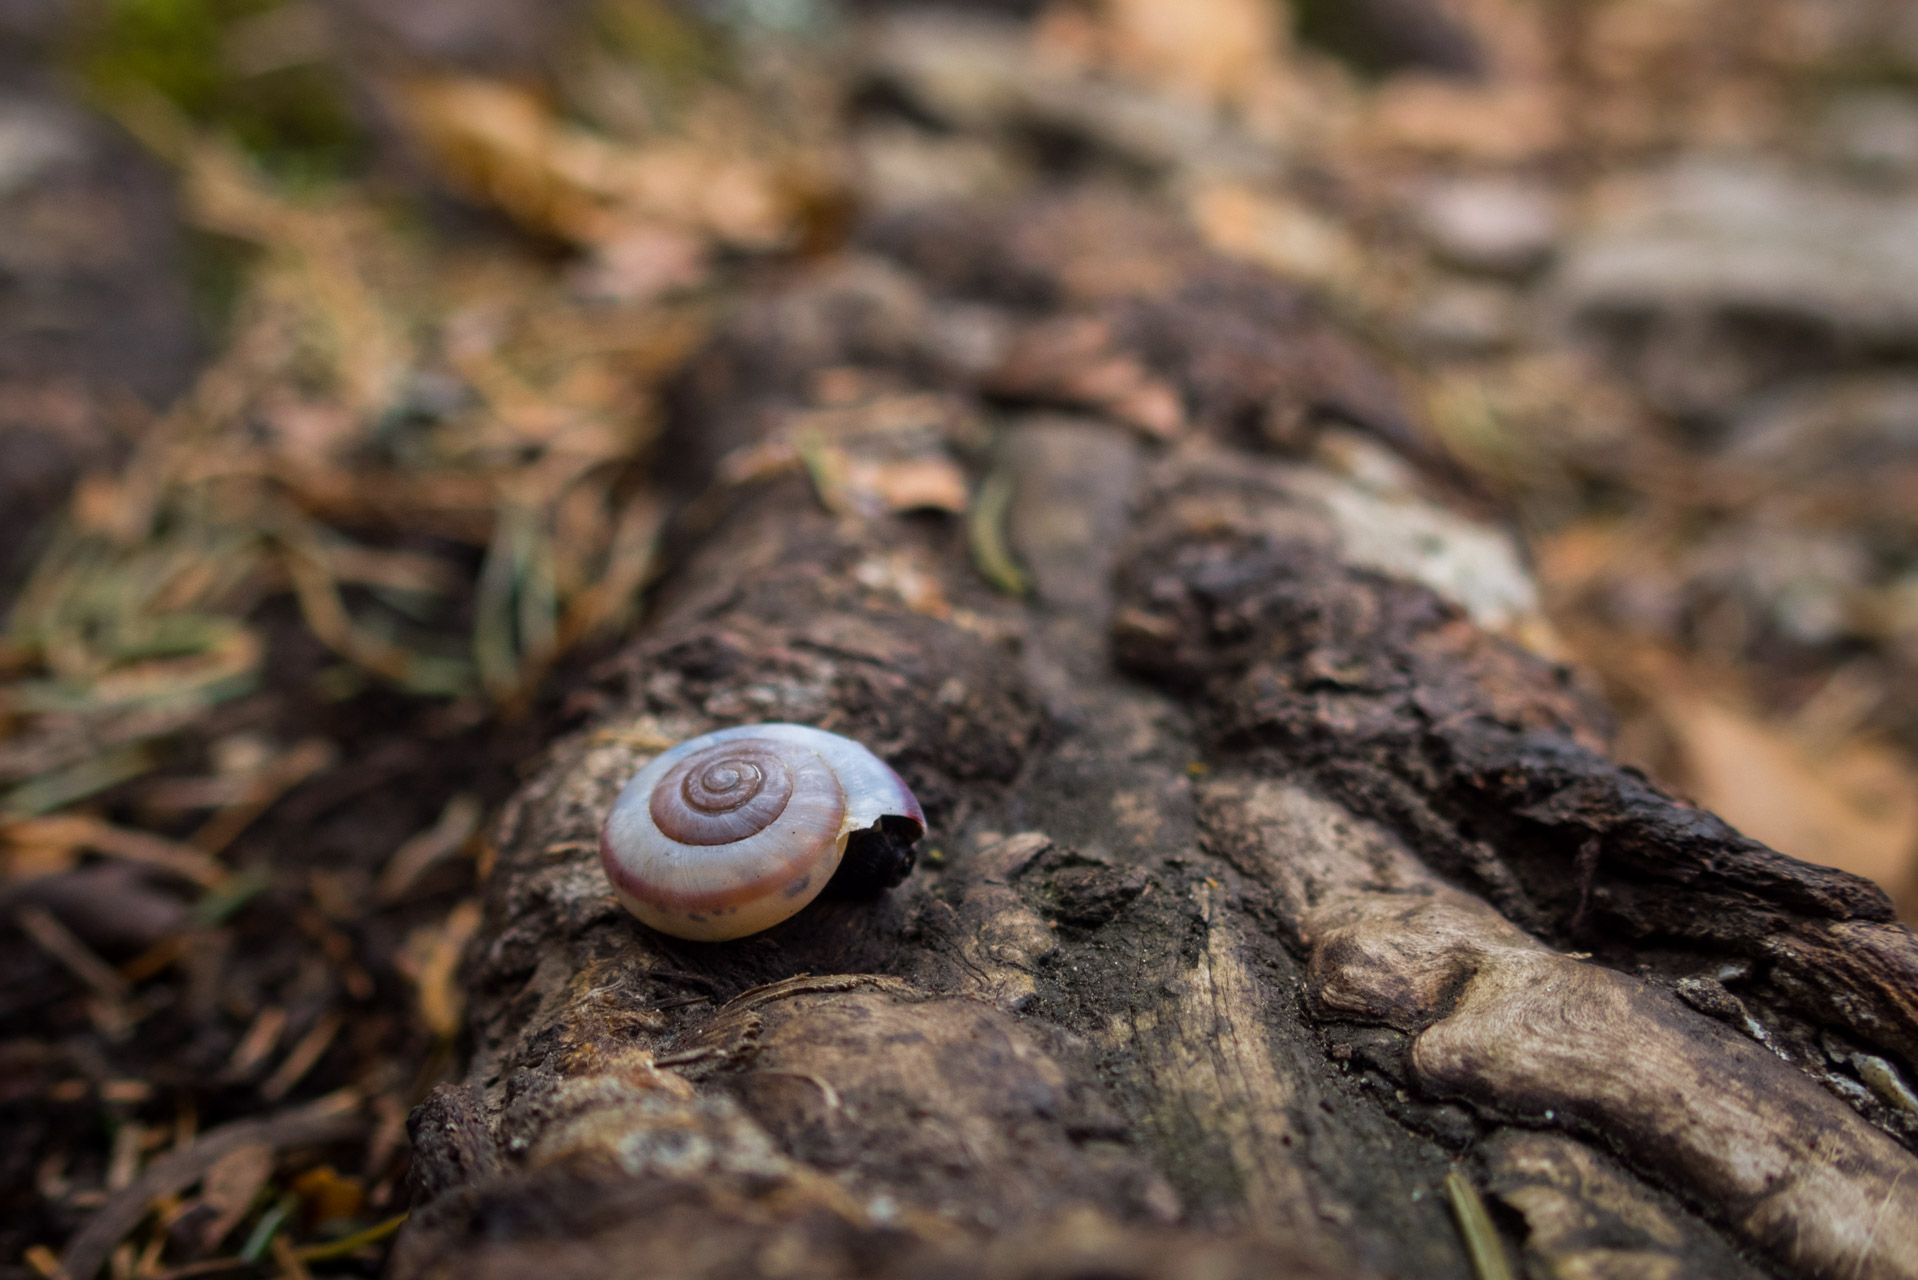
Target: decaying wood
x,y
1269,879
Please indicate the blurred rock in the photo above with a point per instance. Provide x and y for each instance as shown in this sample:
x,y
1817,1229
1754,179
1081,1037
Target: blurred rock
x,y
1901,601
901,165
1803,583
90,271
36,136
1714,280
28,25
977,72
1874,134
1856,426
1466,318
1869,35
963,68
1836,454
49,434
1503,226
93,301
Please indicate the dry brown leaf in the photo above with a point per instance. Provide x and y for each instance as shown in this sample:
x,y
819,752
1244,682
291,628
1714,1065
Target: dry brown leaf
x,y
505,145
1278,233
326,1197
1855,808
1499,124
30,859
909,484
229,1188
902,575
1213,50
1077,360
431,959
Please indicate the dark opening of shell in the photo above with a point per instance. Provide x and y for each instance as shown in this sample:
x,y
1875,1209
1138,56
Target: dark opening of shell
x,y
876,859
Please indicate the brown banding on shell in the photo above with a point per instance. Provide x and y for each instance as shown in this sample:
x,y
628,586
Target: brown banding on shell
x,y
722,794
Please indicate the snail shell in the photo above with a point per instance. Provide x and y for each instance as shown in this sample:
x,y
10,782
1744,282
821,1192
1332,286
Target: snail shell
x,y
730,833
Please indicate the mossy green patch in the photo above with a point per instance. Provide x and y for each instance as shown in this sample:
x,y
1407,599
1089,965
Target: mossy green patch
x,y
259,70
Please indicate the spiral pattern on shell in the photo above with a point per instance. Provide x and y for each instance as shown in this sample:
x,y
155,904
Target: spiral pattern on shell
x,y
722,794
732,832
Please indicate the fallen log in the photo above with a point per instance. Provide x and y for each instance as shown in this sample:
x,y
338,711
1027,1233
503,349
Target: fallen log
x,y
1281,912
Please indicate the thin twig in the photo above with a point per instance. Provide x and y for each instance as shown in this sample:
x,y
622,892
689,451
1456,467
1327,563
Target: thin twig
x,y
987,533
351,1244
1482,1243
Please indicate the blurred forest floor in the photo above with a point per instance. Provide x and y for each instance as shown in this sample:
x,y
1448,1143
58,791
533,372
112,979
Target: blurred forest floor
x,y
333,341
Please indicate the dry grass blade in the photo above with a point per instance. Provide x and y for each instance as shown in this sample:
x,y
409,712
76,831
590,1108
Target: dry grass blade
x,y
347,1245
231,1185
1482,1243
327,616
76,956
51,791
344,1247
74,831
435,968
294,767
303,1057
457,824
45,1263
987,528
257,1043
612,601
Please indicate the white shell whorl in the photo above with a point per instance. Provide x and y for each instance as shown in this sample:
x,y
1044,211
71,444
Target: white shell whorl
x,y
755,832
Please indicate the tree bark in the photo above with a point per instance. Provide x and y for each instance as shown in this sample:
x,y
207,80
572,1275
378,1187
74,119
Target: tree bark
x,y
1269,880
